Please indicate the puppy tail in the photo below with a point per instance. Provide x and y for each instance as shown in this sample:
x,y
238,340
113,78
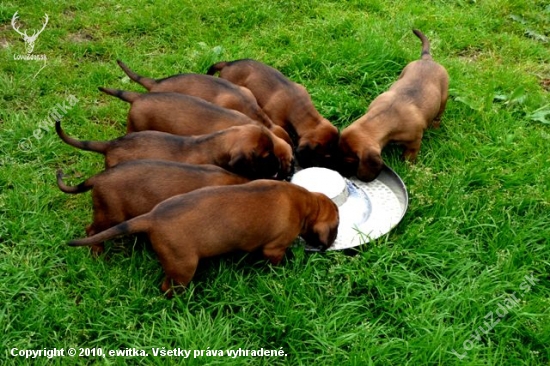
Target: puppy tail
x,y
81,188
96,146
425,55
216,68
148,83
126,96
136,225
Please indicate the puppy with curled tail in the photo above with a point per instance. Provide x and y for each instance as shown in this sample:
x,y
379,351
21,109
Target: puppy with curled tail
x,y
186,115
413,103
214,90
288,104
133,188
245,150
261,215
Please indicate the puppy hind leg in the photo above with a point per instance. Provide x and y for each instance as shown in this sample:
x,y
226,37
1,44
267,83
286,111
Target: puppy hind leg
x,y
166,287
411,150
95,249
99,224
90,230
436,123
178,274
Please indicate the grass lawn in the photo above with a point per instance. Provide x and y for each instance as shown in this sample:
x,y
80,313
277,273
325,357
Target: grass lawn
x,y
464,278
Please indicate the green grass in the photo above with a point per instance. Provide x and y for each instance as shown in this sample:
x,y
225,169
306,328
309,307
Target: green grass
x,y
478,220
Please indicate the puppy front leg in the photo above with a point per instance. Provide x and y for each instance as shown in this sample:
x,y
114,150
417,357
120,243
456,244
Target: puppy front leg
x,y
166,287
411,151
274,254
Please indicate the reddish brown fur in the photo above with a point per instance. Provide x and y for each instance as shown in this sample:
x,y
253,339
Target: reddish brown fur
x,y
288,104
214,90
185,115
260,215
133,188
413,103
246,150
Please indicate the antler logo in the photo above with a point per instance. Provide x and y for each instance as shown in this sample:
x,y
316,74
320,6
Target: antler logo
x,y
29,40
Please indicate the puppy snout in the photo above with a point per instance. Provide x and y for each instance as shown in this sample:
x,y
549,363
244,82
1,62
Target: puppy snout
x,y
367,176
347,169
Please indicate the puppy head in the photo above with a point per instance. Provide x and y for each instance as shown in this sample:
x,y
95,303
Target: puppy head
x,y
318,146
252,154
356,157
322,231
370,165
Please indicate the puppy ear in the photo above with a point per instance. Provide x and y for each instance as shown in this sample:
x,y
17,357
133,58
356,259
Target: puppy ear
x,y
326,234
238,164
370,165
345,159
271,164
305,154
325,228
266,166
254,166
346,164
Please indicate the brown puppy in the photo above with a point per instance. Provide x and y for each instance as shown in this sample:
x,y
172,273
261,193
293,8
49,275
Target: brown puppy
x,y
246,150
133,188
288,104
263,214
414,102
214,90
185,115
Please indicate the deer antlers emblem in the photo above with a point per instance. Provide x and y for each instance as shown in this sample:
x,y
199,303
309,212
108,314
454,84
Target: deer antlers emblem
x,y
29,40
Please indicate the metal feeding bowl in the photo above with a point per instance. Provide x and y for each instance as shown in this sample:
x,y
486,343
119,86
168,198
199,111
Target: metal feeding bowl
x,y
367,210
